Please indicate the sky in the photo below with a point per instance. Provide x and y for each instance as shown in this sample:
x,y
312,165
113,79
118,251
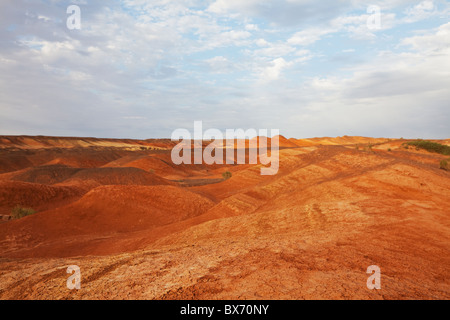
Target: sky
x,y
142,69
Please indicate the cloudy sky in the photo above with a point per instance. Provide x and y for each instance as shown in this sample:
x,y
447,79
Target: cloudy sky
x,y
141,69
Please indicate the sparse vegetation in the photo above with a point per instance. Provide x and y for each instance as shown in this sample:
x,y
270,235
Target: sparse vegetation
x,y
430,146
226,175
151,171
389,149
444,165
19,212
368,147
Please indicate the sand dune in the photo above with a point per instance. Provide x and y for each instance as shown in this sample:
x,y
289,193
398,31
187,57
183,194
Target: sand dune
x,y
106,211
42,142
34,195
161,231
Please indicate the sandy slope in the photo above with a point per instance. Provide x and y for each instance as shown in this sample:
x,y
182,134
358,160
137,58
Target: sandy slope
x,y
308,232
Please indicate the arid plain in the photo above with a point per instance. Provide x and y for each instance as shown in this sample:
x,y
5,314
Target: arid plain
x,y
141,227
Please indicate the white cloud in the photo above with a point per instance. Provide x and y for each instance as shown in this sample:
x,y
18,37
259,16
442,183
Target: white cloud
x,y
224,6
149,60
273,71
309,36
274,50
399,92
262,43
438,42
251,27
423,10
220,64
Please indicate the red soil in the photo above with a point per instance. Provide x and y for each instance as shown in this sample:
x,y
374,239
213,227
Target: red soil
x,y
141,227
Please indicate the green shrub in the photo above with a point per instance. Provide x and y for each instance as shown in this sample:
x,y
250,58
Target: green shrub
x,y
444,165
226,175
431,146
20,212
389,149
